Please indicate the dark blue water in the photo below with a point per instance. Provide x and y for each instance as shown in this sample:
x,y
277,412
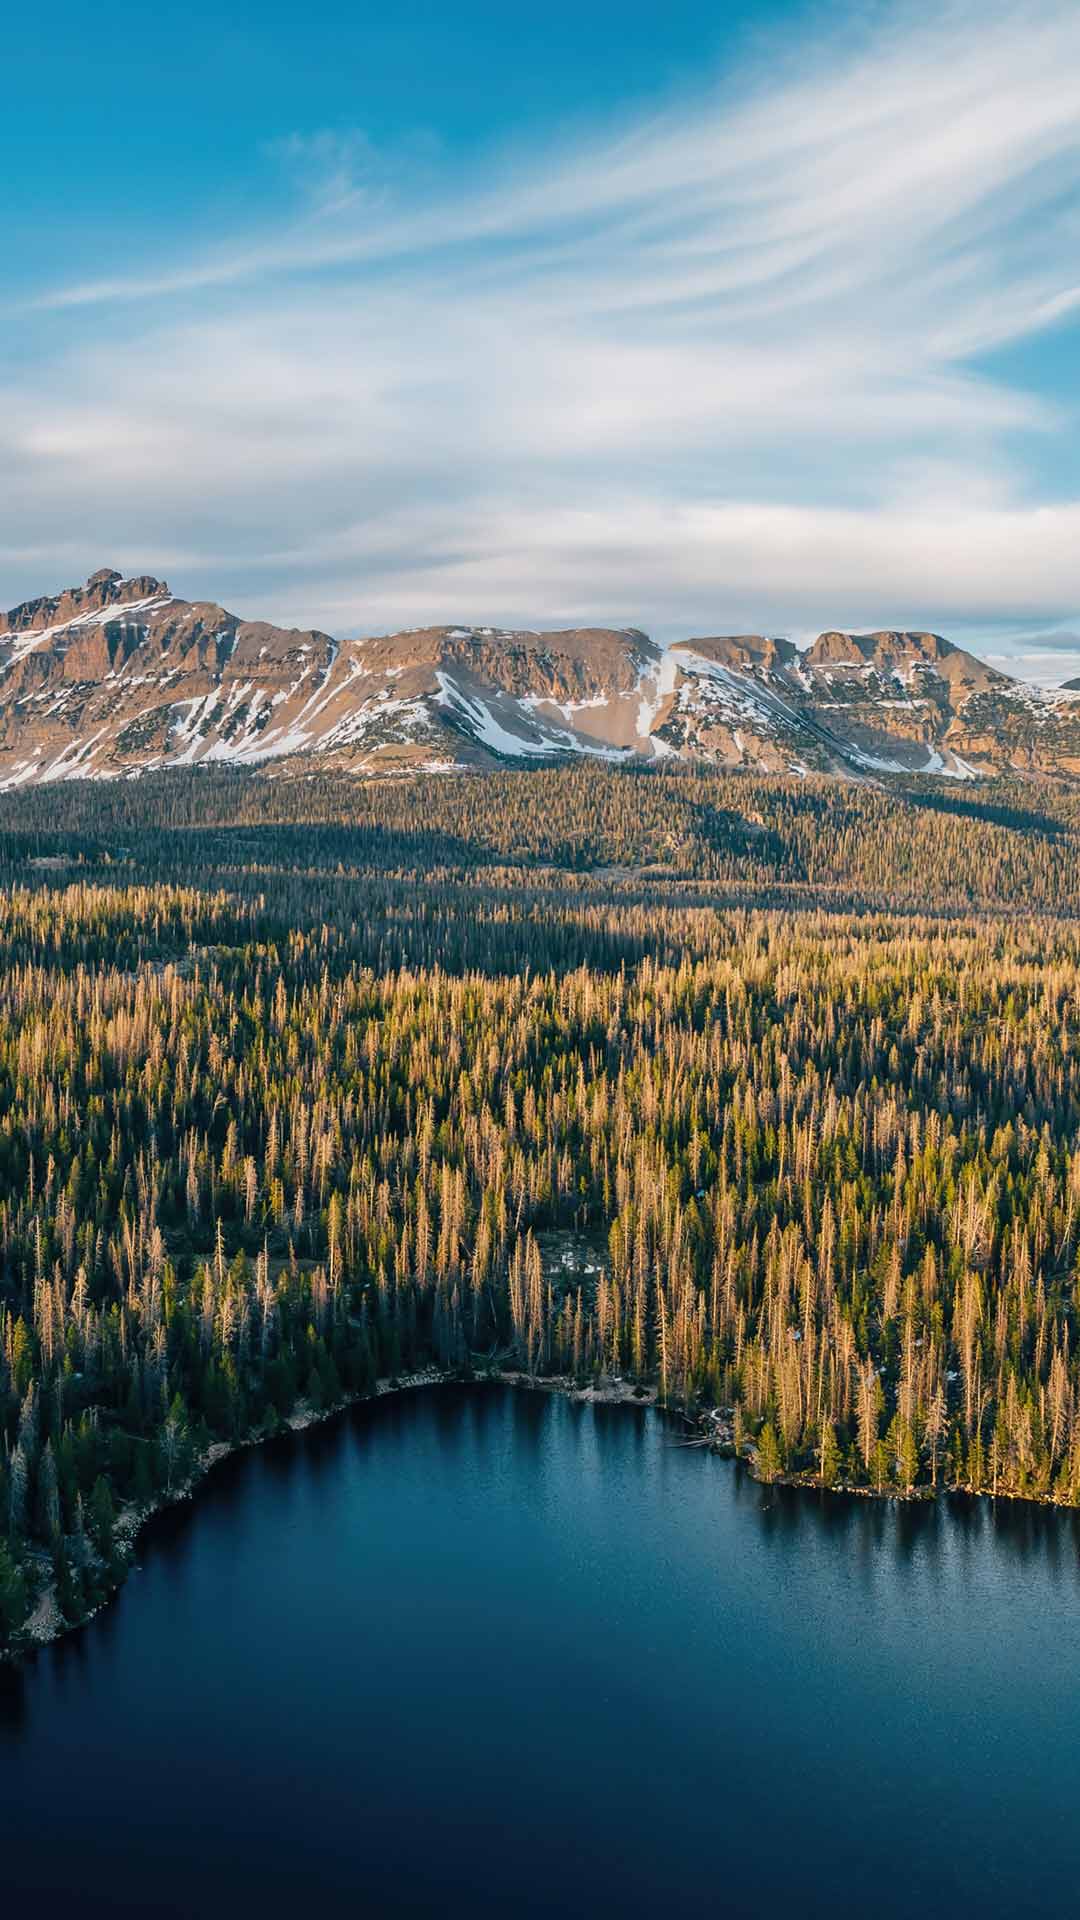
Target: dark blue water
x,y
486,1652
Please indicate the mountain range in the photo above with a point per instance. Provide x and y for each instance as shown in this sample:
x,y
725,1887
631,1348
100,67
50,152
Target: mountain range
x,y
122,676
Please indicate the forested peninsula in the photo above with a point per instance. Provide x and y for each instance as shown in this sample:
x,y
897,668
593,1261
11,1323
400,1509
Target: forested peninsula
x,y
761,1093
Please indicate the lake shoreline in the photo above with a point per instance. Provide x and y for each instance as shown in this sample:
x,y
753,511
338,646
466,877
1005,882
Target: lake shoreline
x,y
710,1430
45,1623
505,1606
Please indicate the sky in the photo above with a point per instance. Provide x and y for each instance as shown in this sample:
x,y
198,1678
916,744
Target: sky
x,y
693,317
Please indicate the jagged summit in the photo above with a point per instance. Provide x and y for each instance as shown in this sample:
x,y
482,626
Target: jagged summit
x,y
743,650
121,676
105,589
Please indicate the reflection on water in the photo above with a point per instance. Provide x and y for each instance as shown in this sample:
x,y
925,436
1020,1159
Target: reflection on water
x,y
904,1529
488,1651
13,1702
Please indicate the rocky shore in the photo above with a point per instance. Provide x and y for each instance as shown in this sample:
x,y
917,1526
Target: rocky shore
x,y
47,1623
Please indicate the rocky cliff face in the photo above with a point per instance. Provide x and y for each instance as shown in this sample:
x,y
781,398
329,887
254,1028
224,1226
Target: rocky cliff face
x,y
121,676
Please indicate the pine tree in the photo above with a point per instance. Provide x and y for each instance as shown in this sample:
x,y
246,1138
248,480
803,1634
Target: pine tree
x,y
769,1464
828,1455
102,1517
13,1598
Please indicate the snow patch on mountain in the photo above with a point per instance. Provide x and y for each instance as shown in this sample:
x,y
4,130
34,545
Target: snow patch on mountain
x,y
31,639
484,726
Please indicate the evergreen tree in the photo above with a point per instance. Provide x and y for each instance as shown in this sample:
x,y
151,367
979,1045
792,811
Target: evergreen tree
x,y
769,1464
102,1517
13,1598
828,1455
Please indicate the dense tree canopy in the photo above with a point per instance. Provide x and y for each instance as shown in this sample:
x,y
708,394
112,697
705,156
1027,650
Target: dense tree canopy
x,y
290,1101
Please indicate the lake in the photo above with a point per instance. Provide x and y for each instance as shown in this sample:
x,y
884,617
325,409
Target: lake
x,y
488,1652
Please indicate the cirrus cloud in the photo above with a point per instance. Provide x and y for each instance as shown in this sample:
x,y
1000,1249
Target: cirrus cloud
x,y
726,364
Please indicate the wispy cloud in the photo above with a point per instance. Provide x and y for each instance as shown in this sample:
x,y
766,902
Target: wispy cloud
x,y
716,364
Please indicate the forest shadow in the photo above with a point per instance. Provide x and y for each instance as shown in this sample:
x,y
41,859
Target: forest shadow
x,y
992,813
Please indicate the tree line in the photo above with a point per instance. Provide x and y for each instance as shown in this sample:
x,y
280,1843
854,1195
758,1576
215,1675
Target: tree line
x,y
828,1163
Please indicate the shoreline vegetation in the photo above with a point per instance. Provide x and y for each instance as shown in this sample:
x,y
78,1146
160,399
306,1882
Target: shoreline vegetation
x,y
46,1623
317,1087
711,1429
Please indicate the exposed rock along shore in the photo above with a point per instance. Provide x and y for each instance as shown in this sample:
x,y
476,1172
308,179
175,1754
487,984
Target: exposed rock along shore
x,y
46,1622
712,1429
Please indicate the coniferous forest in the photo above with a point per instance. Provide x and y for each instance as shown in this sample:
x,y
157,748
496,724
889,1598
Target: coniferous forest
x,y
760,1093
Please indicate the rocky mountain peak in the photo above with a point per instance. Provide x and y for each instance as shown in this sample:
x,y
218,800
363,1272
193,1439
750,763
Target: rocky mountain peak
x,y
742,651
885,648
104,589
120,676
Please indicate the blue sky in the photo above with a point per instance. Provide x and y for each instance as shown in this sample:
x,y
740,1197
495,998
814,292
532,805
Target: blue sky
x,y
695,317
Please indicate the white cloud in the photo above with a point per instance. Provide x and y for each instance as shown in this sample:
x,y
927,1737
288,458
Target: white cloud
x,y
856,567
710,367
